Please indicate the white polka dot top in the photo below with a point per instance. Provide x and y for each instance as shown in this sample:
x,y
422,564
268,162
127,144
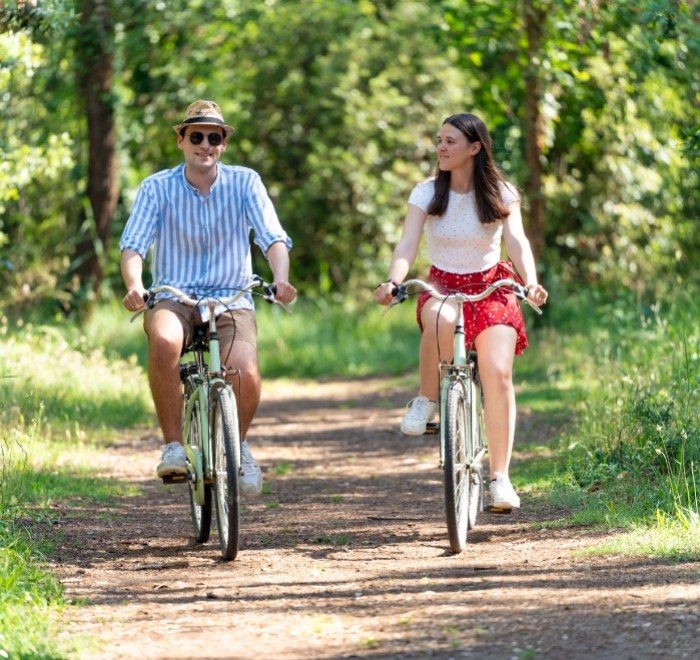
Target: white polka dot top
x,y
457,242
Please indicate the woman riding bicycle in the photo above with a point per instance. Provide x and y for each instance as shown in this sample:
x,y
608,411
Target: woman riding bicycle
x,y
465,211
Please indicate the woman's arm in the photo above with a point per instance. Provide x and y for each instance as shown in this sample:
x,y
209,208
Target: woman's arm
x,y
405,253
520,253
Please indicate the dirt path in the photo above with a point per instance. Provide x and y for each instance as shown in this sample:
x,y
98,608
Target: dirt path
x,y
347,557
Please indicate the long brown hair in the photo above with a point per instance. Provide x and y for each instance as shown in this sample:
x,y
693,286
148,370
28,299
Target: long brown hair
x,y
487,176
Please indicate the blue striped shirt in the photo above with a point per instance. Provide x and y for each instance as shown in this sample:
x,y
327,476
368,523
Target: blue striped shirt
x,y
201,244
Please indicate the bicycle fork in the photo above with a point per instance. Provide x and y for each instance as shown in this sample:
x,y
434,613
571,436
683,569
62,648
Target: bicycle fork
x,y
453,372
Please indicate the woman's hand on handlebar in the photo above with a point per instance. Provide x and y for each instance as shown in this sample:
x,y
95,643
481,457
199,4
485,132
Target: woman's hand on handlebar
x,y
384,293
537,294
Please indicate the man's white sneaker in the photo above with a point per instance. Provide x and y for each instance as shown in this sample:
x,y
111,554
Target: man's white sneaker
x,y
250,482
503,496
421,410
173,460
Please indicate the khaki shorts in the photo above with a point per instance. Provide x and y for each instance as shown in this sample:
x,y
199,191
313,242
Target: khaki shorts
x,y
233,325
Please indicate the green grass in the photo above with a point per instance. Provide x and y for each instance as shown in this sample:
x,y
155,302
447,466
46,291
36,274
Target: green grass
x,y
631,455
668,539
70,383
323,341
61,398
31,599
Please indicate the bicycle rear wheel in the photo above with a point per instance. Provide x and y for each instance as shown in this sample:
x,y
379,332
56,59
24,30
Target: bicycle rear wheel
x,y
455,469
200,492
227,463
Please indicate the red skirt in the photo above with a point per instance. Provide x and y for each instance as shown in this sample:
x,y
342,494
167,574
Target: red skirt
x,y
500,308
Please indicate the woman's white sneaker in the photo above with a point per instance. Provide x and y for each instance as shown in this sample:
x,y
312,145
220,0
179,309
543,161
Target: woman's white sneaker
x,y
503,496
421,410
250,480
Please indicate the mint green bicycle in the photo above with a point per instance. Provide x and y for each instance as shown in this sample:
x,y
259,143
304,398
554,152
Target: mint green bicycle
x,y
462,433
210,429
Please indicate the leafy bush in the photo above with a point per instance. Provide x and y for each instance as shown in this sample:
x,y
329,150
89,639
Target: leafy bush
x,y
636,440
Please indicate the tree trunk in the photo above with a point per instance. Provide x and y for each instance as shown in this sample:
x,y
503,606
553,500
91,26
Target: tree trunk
x,y
95,59
534,15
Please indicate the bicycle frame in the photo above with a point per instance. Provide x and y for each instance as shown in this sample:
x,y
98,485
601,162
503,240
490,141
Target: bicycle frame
x,y
201,392
458,369
462,368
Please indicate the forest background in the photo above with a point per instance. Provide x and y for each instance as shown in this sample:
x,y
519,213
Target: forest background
x,y
593,107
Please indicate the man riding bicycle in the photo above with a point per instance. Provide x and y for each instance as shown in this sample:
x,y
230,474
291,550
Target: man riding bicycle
x,y
197,217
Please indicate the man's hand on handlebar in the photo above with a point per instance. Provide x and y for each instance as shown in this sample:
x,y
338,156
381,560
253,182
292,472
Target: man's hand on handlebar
x,y
284,292
135,298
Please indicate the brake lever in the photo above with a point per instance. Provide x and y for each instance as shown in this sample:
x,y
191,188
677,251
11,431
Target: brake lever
x,y
269,291
400,294
150,304
523,293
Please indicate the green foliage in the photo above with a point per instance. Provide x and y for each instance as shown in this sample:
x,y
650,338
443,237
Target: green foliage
x,y
336,103
618,91
338,127
29,595
636,441
329,341
54,375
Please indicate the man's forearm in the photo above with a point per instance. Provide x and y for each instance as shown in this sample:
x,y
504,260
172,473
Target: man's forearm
x,y
278,258
132,269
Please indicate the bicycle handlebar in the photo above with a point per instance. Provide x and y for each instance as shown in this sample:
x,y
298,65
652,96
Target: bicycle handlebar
x,y
268,294
400,292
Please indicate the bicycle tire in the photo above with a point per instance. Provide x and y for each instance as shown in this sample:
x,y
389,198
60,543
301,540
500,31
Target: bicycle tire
x,y
201,513
475,443
455,468
227,462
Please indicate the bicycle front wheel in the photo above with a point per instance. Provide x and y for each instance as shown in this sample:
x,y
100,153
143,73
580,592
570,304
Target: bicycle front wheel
x,y
475,444
200,492
227,462
456,469
476,439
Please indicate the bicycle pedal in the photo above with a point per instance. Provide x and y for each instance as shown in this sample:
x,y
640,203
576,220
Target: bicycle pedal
x,y
170,479
498,509
432,428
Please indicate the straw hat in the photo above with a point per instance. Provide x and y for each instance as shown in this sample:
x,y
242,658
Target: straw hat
x,y
204,112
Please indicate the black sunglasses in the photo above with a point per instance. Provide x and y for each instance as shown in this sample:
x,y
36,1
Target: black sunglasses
x,y
215,139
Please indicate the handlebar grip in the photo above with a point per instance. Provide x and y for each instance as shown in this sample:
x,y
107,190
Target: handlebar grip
x,y
399,292
149,299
